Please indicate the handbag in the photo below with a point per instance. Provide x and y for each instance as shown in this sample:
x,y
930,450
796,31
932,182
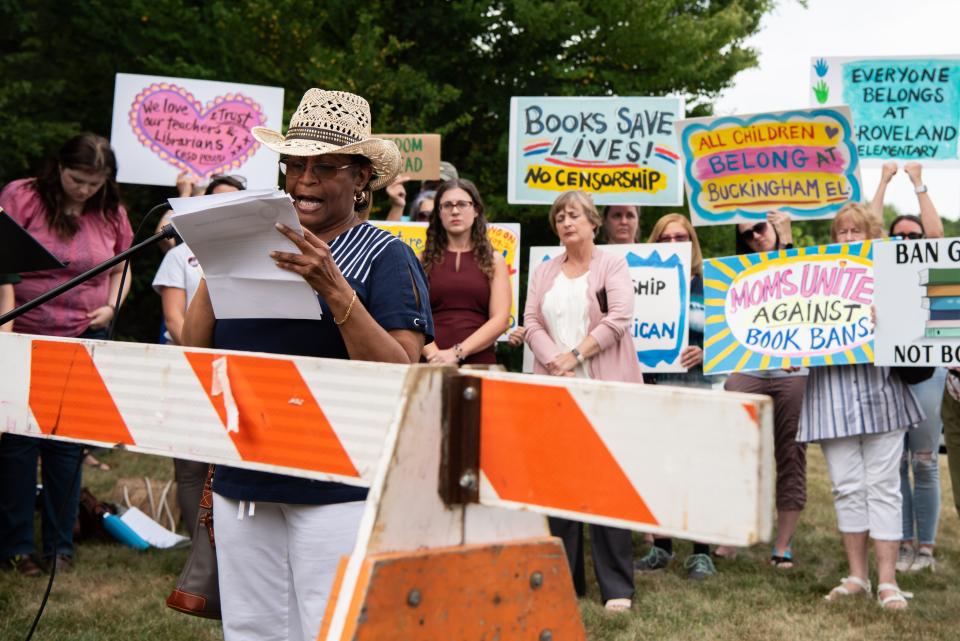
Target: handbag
x,y
914,375
198,590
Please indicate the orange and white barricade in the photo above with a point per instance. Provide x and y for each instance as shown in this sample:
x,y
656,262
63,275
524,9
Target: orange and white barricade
x,y
462,465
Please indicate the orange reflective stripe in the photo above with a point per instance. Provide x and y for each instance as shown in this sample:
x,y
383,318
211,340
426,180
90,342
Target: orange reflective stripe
x,y
576,472
69,398
280,421
753,412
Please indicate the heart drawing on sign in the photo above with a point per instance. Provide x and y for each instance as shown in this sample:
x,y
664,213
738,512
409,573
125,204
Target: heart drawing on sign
x,y
832,131
204,140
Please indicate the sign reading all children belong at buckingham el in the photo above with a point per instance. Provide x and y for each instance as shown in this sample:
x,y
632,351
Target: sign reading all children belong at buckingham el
x,y
661,314
904,108
798,307
738,168
622,150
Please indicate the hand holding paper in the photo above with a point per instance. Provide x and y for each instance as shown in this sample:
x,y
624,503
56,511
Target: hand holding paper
x,y
233,236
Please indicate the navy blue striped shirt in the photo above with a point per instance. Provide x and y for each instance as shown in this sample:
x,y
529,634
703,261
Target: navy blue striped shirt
x,y
391,285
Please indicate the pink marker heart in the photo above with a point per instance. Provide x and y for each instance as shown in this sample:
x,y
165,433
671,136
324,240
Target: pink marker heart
x,y
171,122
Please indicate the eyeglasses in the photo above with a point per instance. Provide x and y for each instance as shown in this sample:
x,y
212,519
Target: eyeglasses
x,y
459,204
674,238
294,167
759,229
912,235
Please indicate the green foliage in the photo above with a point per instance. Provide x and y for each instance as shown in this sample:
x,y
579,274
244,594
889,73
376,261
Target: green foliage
x,y
445,67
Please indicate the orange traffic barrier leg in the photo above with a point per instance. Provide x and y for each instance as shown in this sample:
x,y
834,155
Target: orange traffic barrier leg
x,y
512,590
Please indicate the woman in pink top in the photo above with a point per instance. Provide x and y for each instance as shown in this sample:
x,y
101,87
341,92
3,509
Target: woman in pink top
x,y
579,308
73,208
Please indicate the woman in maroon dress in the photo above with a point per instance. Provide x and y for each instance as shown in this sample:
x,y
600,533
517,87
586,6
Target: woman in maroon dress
x,y
469,283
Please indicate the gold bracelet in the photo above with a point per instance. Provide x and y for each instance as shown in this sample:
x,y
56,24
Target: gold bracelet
x,y
340,322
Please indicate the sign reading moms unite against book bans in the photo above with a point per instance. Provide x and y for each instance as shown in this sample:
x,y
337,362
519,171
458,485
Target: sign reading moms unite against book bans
x,y
621,150
798,307
918,303
904,108
738,168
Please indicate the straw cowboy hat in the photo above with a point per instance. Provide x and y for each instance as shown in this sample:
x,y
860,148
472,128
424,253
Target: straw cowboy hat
x,y
334,122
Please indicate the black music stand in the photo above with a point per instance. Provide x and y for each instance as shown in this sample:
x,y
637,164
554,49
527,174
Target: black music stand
x,y
21,252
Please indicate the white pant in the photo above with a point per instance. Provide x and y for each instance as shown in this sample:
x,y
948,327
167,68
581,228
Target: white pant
x,y
277,567
865,473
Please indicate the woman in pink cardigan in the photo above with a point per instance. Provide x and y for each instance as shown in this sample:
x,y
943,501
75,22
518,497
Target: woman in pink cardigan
x,y
579,309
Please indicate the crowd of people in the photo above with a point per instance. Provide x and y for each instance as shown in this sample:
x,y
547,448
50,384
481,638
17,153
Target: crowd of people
x,y
280,538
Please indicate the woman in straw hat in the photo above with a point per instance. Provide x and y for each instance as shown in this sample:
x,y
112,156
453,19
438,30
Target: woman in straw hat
x,y
279,539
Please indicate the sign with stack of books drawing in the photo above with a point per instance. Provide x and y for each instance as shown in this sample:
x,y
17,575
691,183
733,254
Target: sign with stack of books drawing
x,y
918,302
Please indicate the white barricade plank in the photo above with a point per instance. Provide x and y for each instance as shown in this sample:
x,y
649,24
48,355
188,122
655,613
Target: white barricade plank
x,y
668,460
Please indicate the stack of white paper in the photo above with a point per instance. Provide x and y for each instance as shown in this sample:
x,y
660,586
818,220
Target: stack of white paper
x,y
232,235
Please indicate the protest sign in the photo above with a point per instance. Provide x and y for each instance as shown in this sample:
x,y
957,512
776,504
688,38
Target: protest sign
x,y
904,108
162,126
797,307
661,315
738,168
505,238
918,302
622,150
419,154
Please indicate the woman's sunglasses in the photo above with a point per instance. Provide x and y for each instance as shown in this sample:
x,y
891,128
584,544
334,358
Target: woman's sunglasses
x,y
759,230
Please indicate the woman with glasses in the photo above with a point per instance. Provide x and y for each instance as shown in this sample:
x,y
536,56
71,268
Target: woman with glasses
x,y
469,285
578,313
676,228
279,539
921,501
859,414
786,389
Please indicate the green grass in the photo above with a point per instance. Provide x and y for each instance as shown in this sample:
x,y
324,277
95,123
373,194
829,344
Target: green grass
x,y
115,593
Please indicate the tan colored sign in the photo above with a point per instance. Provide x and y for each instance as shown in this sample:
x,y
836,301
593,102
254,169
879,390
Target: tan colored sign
x,y
419,154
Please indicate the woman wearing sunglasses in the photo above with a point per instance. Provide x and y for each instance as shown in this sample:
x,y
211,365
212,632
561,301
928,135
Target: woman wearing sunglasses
x,y
786,389
921,502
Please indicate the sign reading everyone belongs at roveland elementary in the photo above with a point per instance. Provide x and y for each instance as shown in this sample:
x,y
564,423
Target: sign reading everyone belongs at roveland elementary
x,y
918,302
622,150
738,168
904,108
799,307
162,126
661,314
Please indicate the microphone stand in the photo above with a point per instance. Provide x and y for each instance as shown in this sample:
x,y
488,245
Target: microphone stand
x,y
167,231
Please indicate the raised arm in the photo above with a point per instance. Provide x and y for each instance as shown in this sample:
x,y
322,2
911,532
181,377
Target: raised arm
x,y
929,218
887,172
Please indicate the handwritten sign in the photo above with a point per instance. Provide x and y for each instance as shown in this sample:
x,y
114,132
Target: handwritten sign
x,y
738,168
904,108
798,307
621,150
162,126
661,313
918,302
505,238
419,154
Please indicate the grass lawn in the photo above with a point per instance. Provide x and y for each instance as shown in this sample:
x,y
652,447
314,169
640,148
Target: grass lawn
x,y
115,593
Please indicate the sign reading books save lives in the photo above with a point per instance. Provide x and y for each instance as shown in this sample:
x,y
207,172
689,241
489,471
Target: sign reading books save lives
x,y
918,305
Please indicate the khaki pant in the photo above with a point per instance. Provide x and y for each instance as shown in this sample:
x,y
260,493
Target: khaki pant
x,y
950,414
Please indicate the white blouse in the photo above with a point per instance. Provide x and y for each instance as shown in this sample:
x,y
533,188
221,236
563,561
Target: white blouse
x,y
566,316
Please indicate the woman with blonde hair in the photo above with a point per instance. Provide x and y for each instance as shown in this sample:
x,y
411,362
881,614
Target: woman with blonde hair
x,y
578,312
859,414
469,285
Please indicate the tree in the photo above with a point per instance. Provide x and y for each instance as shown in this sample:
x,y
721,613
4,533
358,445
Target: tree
x,y
445,67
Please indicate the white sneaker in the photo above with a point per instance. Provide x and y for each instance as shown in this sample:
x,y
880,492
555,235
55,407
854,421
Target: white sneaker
x,y
905,557
923,561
